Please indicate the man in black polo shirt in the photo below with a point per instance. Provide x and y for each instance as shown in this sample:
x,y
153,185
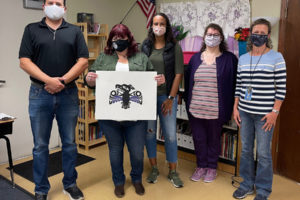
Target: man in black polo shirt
x,y
54,53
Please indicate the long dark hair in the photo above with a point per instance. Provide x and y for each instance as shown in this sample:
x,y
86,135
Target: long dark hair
x,y
223,45
168,35
258,22
121,31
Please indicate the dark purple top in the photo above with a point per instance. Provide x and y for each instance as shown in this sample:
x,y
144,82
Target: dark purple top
x,y
226,77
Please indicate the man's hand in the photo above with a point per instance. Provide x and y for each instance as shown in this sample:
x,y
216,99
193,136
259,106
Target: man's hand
x,y
53,85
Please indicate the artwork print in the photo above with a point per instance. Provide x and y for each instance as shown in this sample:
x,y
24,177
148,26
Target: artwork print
x,y
124,96
125,93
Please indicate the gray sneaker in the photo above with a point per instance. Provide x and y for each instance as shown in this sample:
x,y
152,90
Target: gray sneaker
x,y
174,178
152,177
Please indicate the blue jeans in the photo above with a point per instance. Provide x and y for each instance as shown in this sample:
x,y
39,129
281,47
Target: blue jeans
x,y
43,107
117,133
251,128
168,126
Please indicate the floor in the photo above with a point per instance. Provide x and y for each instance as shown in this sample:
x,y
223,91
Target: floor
x,y
94,178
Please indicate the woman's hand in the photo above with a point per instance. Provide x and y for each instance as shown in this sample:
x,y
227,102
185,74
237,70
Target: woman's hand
x,y
160,78
236,116
270,121
166,107
91,78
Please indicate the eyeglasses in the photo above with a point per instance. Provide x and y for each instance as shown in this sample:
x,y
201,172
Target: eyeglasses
x,y
215,35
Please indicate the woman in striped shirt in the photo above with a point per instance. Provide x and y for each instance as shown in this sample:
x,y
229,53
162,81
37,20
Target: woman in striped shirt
x,y
260,91
209,91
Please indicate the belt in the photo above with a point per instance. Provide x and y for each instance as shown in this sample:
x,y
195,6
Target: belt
x,y
41,86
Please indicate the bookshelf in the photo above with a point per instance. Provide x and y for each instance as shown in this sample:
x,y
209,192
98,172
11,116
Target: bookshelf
x,y
88,132
230,148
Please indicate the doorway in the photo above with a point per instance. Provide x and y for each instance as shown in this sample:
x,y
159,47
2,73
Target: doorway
x,y
288,146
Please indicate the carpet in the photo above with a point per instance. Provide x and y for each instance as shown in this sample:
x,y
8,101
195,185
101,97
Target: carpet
x,y
55,165
9,193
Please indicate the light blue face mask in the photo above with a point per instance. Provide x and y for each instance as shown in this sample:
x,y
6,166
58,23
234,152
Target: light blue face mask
x,y
212,40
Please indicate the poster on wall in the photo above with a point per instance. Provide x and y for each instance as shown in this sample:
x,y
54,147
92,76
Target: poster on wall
x,y
125,95
33,4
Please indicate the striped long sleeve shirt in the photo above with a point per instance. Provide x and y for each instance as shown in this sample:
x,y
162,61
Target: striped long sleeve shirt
x,y
267,78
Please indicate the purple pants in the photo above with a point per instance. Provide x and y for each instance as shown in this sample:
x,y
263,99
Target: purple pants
x,y
206,135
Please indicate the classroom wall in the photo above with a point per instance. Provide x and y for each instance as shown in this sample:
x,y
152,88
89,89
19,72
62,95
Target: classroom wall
x,y
268,8
14,94
112,11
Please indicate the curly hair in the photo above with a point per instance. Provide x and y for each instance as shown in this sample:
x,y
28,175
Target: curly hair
x,y
259,22
121,31
223,44
168,35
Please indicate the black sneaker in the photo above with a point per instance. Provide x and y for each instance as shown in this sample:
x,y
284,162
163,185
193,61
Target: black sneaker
x,y
74,193
240,193
38,196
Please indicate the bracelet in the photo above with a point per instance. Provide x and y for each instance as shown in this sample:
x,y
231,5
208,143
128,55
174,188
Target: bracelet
x,y
275,111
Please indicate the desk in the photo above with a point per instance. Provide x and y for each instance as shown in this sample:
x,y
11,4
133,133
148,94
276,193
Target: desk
x,y
5,129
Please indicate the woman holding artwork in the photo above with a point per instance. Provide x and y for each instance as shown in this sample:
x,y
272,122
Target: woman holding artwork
x,y
121,54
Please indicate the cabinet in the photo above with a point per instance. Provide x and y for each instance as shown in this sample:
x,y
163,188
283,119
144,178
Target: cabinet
x,y
228,159
88,132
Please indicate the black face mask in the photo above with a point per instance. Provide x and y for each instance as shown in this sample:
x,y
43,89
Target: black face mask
x,y
120,45
258,40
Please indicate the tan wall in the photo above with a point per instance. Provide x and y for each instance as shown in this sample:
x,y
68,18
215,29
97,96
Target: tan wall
x,y
111,12
268,8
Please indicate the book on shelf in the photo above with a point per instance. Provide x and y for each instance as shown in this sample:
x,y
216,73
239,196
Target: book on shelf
x,y
81,131
228,146
91,111
95,29
81,109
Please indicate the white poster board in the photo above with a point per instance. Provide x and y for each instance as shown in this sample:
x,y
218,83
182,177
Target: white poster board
x,y
126,95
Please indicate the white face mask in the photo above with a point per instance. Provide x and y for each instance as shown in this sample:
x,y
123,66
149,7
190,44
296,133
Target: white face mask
x,y
212,41
159,30
54,12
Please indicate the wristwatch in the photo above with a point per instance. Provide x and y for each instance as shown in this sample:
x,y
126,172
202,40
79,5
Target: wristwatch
x,y
275,111
170,97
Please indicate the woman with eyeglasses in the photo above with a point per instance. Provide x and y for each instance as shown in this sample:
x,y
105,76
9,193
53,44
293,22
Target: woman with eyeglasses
x,y
209,95
260,91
